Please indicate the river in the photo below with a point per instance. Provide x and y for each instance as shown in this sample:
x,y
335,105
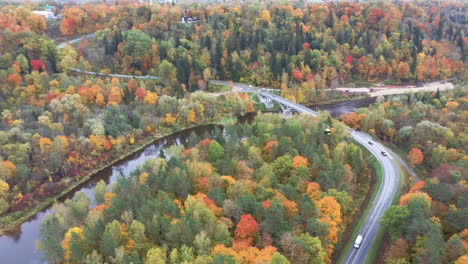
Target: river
x,y
19,245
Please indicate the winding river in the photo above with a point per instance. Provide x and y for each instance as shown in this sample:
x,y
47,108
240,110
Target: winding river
x,y
19,245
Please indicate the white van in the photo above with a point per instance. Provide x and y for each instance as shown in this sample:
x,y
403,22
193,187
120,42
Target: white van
x,y
358,241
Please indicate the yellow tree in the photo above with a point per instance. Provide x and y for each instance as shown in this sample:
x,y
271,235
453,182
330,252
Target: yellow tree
x,y
169,120
66,241
114,96
313,190
100,101
331,215
4,187
44,143
191,116
151,98
143,177
300,161
405,199
7,169
97,143
266,17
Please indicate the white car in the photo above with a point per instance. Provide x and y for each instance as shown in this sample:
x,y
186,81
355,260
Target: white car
x,y
358,241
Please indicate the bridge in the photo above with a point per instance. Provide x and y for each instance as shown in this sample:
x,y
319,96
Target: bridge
x,y
266,97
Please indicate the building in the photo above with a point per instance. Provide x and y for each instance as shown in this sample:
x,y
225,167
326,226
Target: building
x,y
47,13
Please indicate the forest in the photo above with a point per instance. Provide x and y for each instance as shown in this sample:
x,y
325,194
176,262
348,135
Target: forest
x,y
61,130
56,128
272,191
301,48
275,190
430,223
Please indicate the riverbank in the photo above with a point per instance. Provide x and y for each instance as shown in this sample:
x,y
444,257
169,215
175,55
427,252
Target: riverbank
x,y
24,215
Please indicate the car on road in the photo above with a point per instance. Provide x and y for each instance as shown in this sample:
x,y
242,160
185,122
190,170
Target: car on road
x,y
370,143
384,153
358,241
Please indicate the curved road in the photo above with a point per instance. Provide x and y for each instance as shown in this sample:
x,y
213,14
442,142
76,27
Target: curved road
x,y
386,191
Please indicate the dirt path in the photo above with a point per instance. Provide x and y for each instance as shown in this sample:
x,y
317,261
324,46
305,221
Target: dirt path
x,y
428,87
73,41
390,90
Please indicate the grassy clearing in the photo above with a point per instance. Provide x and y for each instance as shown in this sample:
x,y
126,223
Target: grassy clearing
x,y
218,88
378,172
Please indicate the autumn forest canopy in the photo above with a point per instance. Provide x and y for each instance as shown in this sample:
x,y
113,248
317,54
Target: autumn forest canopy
x,y
266,191
274,191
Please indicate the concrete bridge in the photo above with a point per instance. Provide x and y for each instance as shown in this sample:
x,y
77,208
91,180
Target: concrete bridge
x,y
266,97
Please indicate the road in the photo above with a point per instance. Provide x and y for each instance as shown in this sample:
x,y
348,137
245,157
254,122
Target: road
x,y
63,44
147,77
386,193
387,190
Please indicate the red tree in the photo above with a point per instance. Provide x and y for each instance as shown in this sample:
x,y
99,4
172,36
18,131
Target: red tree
x,y
15,79
349,60
140,93
415,157
298,75
67,27
417,187
375,16
37,65
247,227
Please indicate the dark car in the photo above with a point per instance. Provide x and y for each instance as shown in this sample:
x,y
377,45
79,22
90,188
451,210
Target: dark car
x,y
370,143
384,153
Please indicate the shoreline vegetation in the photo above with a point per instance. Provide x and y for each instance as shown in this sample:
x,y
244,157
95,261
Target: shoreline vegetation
x,y
8,225
30,212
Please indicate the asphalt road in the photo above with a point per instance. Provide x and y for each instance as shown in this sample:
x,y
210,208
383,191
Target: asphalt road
x,y
381,203
387,189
